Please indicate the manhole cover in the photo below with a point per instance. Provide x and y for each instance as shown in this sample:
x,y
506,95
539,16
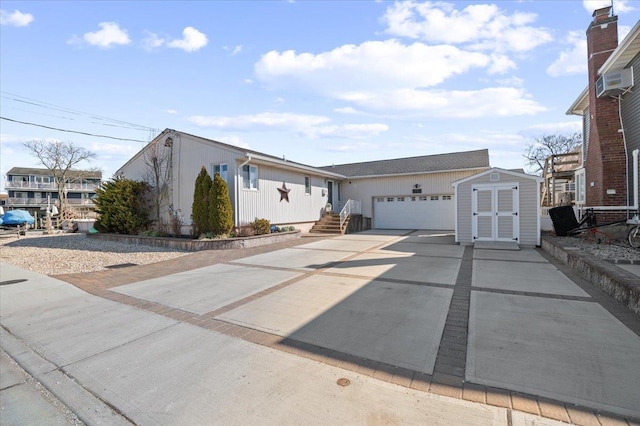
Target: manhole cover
x,y
120,265
344,382
12,282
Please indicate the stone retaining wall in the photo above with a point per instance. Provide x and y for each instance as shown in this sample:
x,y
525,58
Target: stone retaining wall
x,y
620,284
197,245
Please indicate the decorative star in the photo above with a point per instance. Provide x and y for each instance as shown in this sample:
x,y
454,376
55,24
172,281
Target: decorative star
x,y
284,192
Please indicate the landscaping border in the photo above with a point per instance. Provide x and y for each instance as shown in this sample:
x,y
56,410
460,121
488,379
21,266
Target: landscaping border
x,y
623,286
198,245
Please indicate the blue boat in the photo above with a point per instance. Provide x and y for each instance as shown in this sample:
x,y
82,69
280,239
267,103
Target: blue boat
x,y
16,217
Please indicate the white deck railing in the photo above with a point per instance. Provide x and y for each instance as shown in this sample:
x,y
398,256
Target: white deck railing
x,y
350,207
17,184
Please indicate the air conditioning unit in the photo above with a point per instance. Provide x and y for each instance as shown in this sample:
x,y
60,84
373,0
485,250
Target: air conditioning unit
x,y
614,82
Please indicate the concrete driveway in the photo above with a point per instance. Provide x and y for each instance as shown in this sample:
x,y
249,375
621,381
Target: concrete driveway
x,y
264,338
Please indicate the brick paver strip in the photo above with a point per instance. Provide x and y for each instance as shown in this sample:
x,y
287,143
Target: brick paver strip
x,y
449,369
525,402
553,410
582,416
452,354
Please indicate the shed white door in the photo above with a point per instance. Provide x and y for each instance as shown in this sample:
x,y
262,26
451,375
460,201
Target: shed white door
x,y
495,213
423,212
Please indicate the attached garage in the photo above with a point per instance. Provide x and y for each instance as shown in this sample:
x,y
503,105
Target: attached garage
x,y
414,212
498,205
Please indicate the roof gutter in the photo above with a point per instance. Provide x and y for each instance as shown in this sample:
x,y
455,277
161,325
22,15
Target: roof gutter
x,y
416,173
610,63
295,166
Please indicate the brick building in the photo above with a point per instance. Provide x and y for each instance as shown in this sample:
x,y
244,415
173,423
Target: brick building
x,y
608,179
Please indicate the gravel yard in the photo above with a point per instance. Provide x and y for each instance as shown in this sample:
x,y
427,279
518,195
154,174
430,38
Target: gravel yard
x,y
71,253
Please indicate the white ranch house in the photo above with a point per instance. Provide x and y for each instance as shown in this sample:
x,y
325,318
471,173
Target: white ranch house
x,y
405,193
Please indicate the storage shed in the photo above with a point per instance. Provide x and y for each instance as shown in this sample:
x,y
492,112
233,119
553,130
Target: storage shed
x,y
498,205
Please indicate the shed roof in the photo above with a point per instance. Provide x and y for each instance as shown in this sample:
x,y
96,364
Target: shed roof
x,y
423,164
498,169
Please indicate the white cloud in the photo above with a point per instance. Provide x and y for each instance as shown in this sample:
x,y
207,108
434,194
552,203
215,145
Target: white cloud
x,y
109,35
347,110
152,41
383,64
172,111
481,26
15,18
500,64
191,41
264,121
312,126
489,102
563,127
573,60
233,140
347,131
619,6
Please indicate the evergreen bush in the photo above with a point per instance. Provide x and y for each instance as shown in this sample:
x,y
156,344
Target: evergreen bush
x,y
261,226
200,206
122,206
220,209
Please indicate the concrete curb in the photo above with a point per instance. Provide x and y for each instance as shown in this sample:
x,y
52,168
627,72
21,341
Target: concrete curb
x,y
87,407
622,285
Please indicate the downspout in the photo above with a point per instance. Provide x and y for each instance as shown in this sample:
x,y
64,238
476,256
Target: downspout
x,y
635,179
237,209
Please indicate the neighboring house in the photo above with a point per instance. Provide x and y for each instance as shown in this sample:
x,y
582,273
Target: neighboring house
x,y
32,189
558,174
610,108
406,193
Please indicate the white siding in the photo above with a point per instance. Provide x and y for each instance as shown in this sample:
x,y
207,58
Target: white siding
x,y
365,190
528,206
265,203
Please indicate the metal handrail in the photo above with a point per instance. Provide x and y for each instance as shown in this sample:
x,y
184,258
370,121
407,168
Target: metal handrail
x,y
350,207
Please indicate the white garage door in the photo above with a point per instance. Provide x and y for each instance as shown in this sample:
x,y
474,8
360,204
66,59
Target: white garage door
x,y
422,212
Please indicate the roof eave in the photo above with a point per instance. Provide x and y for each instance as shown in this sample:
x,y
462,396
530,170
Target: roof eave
x,y
580,104
293,166
417,173
613,61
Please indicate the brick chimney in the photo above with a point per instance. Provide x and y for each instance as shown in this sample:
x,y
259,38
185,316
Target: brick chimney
x,y
606,158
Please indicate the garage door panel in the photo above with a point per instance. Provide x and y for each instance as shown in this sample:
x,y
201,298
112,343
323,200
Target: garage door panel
x,y
418,214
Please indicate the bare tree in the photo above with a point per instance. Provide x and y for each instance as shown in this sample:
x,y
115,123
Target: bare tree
x,y
540,149
60,158
157,160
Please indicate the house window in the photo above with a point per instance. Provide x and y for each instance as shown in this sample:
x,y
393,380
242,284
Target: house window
x,y
434,198
580,187
413,198
221,169
307,185
380,200
423,198
249,177
446,197
400,198
390,199
21,194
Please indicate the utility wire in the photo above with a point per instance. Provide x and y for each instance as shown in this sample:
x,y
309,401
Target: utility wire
x,y
71,131
42,104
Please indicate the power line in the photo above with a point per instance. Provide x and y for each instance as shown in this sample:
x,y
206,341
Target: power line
x,y
71,131
42,104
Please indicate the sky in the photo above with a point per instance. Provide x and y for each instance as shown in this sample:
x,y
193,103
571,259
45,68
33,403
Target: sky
x,y
317,82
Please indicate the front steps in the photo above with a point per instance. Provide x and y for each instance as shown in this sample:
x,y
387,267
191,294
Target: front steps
x,y
329,224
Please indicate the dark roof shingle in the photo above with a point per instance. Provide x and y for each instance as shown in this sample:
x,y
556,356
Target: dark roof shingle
x,y
422,164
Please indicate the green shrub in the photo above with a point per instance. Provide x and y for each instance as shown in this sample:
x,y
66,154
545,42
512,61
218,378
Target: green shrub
x,y
200,206
261,226
220,210
122,206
